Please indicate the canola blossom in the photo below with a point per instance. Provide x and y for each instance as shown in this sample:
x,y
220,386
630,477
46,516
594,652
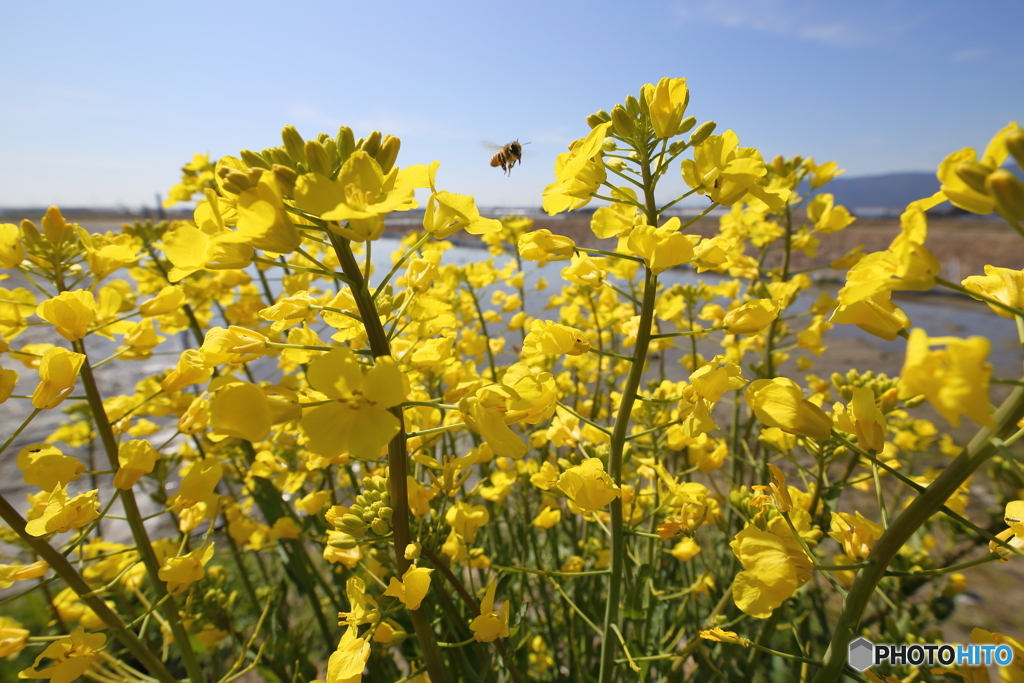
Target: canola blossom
x,y
486,475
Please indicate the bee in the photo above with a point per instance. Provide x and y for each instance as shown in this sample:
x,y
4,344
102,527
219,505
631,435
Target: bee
x,y
507,156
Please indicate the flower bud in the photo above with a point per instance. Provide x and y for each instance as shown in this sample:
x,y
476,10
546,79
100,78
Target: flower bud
x,y
54,226
622,122
385,513
597,119
703,131
351,521
280,156
974,174
30,231
254,160
686,124
234,180
285,177
1015,144
294,144
341,540
345,142
543,246
380,527
632,105
371,143
319,162
412,551
388,154
1008,191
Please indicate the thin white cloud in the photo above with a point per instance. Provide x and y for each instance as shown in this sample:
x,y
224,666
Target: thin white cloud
x,y
970,54
867,24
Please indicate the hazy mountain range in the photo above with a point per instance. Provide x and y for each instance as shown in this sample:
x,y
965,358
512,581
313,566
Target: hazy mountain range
x,y
891,191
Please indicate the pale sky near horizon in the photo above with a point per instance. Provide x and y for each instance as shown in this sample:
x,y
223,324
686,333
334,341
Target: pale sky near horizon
x,y
101,103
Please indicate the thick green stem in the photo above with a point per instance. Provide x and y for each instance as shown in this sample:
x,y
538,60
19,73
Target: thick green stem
x,y
138,528
73,579
904,526
611,615
398,465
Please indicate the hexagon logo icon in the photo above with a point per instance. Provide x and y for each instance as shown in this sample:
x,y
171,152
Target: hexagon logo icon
x,y
862,654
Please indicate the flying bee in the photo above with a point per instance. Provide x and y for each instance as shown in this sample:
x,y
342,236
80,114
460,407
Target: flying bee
x,y
507,156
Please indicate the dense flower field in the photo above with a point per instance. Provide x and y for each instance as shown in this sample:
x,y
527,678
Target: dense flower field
x,y
412,475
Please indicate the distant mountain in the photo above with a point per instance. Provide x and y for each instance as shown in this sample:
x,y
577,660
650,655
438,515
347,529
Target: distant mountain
x,y
891,191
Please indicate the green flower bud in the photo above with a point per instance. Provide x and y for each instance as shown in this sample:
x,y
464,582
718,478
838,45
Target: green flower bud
x,y
633,105
254,160
622,122
341,540
351,521
689,122
280,156
346,144
388,154
973,173
380,527
1008,191
286,178
235,181
597,119
294,144
369,515
703,131
385,513
319,161
371,143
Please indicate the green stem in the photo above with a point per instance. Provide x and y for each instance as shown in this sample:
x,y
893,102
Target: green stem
x,y
398,465
66,571
138,529
903,527
618,443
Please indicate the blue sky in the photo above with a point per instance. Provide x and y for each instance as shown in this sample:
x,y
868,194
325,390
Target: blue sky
x,y
102,102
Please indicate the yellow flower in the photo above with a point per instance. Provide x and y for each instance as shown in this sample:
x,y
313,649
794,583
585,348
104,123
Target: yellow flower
x,y
9,573
135,458
685,550
71,656
181,572
543,246
717,377
780,403
491,624
447,213
855,533
200,482
412,588
863,418
70,312
13,637
547,518
549,337
751,317
579,173
241,410
729,172
465,519
357,420
875,315
361,195
588,485
719,636
58,371
191,369
168,300
828,218
1014,535
773,568
1002,284
46,467
348,661
263,222
585,271
63,515
954,379
960,193
11,250
666,103
233,345
661,248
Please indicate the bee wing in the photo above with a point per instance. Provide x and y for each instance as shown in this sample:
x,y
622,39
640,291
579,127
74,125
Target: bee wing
x,y
487,144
